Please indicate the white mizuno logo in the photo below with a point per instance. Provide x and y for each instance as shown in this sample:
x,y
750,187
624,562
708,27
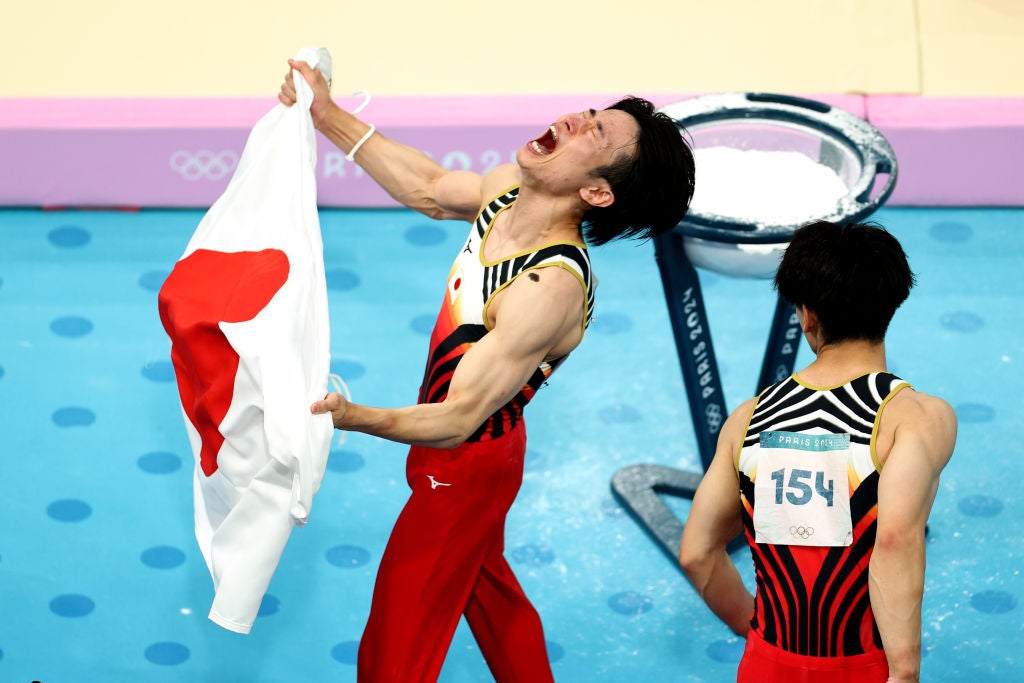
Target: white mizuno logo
x,y
434,483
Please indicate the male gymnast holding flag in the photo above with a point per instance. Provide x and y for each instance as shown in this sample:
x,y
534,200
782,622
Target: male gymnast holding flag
x,y
518,300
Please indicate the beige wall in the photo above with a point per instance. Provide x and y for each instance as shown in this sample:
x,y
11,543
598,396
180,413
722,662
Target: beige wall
x,y
199,48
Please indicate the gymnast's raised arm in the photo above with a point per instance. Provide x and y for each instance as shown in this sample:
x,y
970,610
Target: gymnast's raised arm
x,y
407,174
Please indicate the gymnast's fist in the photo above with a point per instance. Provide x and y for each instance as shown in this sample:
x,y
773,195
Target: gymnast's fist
x,y
333,403
321,90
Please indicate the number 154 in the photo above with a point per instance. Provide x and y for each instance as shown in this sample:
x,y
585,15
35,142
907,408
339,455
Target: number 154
x,y
798,490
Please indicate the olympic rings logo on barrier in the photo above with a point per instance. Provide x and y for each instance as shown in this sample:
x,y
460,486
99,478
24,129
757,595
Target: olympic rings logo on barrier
x,y
204,164
803,532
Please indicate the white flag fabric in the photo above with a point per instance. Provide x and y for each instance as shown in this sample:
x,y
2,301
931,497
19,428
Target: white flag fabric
x,y
246,310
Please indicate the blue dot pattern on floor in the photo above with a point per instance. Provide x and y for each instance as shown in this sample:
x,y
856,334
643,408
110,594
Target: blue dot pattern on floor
x,y
345,461
162,557
727,651
99,570
68,510
71,326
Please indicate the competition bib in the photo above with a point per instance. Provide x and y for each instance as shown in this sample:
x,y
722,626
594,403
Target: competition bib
x,y
802,491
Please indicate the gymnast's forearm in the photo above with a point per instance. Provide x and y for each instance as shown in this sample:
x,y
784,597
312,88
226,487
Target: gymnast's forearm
x,y
437,425
405,173
896,586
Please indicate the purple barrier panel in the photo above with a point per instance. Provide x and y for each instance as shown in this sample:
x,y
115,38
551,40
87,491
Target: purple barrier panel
x,y
121,152
192,168
108,167
953,151
182,152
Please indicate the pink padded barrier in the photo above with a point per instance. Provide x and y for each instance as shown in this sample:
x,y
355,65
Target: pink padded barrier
x,y
953,151
181,152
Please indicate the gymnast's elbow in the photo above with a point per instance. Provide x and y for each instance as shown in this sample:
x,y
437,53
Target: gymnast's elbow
x,y
696,560
691,562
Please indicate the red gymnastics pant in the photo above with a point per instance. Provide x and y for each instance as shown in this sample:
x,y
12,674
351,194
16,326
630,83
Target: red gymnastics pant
x,y
765,663
445,559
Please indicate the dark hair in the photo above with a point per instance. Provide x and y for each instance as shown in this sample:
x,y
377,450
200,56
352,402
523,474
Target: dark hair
x,y
652,187
852,276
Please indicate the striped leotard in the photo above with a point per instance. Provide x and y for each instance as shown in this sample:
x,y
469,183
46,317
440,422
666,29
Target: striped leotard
x,y
472,284
809,488
445,557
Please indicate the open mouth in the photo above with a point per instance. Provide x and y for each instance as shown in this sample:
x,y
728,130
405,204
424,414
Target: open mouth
x,y
546,143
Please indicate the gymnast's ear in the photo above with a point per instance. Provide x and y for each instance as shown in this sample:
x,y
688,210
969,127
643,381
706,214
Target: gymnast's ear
x,y
599,194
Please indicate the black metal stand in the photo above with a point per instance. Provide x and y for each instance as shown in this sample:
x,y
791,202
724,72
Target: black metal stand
x,y
693,341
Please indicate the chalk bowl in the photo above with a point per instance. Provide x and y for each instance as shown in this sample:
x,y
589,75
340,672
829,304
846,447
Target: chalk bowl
x,y
767,164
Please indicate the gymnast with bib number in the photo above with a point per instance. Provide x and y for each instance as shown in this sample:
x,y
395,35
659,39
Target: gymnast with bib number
x,y
831,474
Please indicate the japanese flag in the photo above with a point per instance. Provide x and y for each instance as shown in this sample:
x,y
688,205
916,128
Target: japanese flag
x,y
246,310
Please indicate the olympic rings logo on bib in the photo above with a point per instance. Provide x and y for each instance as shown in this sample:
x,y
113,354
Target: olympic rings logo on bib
x,y
803,532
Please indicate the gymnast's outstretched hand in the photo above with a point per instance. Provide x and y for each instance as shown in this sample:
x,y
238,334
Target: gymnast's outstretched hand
x,y
321,90
333,403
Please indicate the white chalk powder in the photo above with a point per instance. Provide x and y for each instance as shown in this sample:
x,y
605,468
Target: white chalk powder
x,y
769,187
